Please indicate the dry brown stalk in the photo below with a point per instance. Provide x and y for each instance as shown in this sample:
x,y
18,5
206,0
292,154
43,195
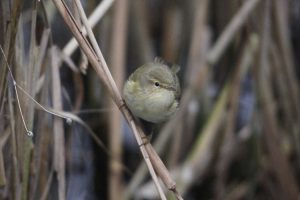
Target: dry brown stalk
x,y
58,130
95,17
280,164
229,146
98,62
230,31
3,141
117,63
199,64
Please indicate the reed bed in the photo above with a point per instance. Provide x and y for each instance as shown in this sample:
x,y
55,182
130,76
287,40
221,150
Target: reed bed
x,y
66,133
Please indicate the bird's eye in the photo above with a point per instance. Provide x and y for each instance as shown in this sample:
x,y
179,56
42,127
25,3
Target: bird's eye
x,y
156,84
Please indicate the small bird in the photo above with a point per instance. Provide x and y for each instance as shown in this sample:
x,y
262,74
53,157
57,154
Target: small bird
x,y
152,92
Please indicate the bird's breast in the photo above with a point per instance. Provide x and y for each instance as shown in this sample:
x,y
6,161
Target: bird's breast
x,y
154,105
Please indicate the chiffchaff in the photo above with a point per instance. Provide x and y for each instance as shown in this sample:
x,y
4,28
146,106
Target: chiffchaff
x,y
152,91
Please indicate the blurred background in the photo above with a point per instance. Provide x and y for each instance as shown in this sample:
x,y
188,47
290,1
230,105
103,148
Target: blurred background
x,y
235,136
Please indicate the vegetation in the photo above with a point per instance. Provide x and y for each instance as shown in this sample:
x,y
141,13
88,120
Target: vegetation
x,y
64,130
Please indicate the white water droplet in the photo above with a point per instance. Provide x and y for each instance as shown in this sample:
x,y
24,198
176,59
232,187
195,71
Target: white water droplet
x,y
14,82
69,121
30,133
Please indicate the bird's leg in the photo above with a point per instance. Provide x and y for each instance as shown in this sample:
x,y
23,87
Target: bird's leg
x,y
149,130
147,138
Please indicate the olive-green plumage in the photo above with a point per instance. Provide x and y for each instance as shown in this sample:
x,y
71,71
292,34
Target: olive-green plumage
x,y
152,92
